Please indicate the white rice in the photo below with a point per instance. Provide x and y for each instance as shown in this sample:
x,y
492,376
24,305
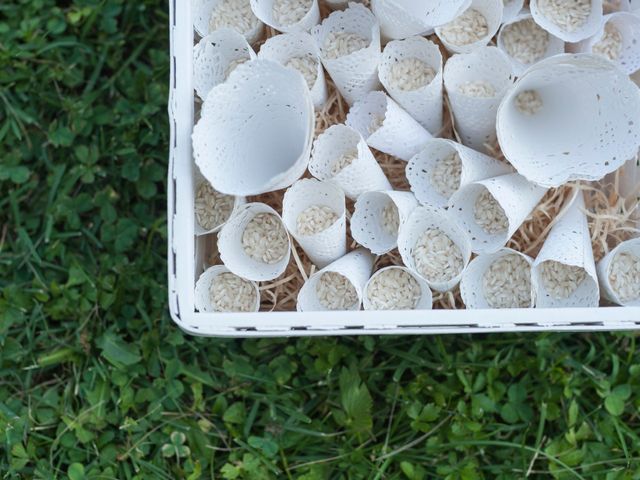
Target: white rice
x,y
342,162
233,64
290,12
479,89
437,257
624,276
315,219
467,28
489,215
230,293
265,239
234,14
391,218
394,289
529,102
307,66
341,44
336,292
560,280
212,208
507,283
525,41
376,123
568,15
446,175
411,74
610,46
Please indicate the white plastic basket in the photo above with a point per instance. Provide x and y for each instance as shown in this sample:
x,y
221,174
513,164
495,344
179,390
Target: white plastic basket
x,y
184,250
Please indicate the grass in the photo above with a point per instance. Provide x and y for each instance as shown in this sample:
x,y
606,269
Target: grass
x,y
97,383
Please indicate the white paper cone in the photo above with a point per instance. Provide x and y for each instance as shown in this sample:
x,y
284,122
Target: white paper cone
x,y
555,45
233,254
398,135
367,227
568,243
395,21
422,219
364,174
340,4
587,124
474,166
514,194
330,244
475,117
355,266
433,12
202,297
628,25
198,180
263,9
589,28
285,47
355,74
471,285
492,12
425,103
511,10
629,179
634,6
631,247
214,57
202,10
425,302
256,130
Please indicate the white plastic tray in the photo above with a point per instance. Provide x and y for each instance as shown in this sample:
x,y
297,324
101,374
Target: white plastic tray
x,y
183,249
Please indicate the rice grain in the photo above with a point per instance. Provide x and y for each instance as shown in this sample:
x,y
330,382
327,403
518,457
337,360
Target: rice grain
x,y
411,74
394,289
265,239
341,44
230,293
391,218
529,102
479,89
467,28
307,66
437,257
610,45
561,280
336,292
525,41
507,283
568,15
342,162
234,14
315,219
212,208
624,276
489,215
446,175
290,12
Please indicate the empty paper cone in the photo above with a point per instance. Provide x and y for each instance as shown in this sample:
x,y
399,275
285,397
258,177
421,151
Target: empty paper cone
x,y
211,15
300,52
570,21
564,120
254,243
341,155
218,290
490,211
212,209
395,21
377,218
387,127
433,12
619,274
256,130
315,214
498,280
397,288
473,28
215,57
338,286
287,15
411,71
564,272
433,246
511,9
349,43
443,166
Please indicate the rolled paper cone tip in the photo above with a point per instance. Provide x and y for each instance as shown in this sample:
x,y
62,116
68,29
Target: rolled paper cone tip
x,y
604,269
202,298
492,11
202,10
395,22
263,9
425,302
587,29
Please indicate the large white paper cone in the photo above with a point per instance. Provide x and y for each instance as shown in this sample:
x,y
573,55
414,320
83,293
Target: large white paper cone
x,y
618,40
567,25
421,220
395,21
511,9
508,283
203,298
329,244
355,266
424,104
395,285
292,16
634,6
299,51
574,282
337,144
433,12
434,175
514,194
256,130
212,209
619,276
526,43
475,116
377,218
354,74
233,237
236,14
387,127
455,34
570,117
215,56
